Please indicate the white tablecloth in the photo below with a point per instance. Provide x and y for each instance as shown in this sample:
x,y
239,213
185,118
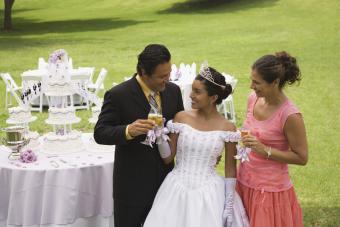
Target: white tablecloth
x,y
37,74
64,189
96,221
30,77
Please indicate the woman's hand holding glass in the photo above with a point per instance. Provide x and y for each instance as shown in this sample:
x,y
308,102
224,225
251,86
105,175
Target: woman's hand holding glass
x,y
251,141
244,131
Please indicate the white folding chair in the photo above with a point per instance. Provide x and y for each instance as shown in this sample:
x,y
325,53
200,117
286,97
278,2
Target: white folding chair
x,y
70,63
173,72
227,106
12,89
28,81
91,84
183,76
229,79
193,69
99,82
188,69
89,71
42,64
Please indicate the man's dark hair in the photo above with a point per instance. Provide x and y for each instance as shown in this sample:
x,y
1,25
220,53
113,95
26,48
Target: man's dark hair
x,y
151,56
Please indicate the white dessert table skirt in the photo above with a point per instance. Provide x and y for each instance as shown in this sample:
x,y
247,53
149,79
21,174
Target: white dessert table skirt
x,y
70,189
77,100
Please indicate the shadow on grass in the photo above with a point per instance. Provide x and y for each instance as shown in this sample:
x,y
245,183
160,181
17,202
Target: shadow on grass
x,y
27,27
321,216
16,11
19,43
215,6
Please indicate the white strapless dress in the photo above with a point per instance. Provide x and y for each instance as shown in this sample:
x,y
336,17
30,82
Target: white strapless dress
x,y
193,194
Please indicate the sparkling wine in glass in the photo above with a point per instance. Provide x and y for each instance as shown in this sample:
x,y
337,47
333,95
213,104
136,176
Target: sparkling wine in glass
x,y
155,114
157,118
244,132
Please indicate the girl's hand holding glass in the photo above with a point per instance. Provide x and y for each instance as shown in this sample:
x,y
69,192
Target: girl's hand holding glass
x,y
244,132
254,144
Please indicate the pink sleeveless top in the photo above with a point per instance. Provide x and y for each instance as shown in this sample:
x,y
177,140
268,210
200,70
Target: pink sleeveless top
x,y
261,173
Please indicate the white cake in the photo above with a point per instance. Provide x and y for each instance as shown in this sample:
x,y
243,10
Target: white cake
x,y
19,115
62,116
62,144
58,83
59,88
95,114
58,78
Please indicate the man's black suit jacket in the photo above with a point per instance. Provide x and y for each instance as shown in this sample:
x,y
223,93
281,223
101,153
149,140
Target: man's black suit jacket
x,y
138,169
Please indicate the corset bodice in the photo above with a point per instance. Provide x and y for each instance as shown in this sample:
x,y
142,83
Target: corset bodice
x,y
197,153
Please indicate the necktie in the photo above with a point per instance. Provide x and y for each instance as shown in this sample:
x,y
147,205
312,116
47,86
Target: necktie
x,y
152,101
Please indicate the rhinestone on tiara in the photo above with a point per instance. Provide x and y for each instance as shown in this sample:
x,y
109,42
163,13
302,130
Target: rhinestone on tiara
x,y
206,74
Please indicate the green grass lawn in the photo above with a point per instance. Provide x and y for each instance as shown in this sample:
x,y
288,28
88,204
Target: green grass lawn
x,y
229,35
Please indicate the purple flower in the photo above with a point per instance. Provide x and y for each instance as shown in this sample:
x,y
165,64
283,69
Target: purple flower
x,y
28,156
56,55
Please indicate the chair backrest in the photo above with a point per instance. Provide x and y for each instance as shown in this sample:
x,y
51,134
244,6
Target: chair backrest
x,y
184,72
183,69
70,63
230,80
89,71
100,79
188,69
11,86
42,64
10,81
173,72
193,69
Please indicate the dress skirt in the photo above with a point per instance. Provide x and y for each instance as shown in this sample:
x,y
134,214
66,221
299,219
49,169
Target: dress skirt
x,y
268,209
177,205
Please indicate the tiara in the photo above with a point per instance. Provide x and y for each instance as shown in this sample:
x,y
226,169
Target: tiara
x,y
206,74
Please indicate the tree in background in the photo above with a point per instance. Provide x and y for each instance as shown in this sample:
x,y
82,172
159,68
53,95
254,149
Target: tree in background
x,y
8,15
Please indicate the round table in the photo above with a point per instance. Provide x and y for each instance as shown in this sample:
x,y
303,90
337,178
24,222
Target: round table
x,y
72,189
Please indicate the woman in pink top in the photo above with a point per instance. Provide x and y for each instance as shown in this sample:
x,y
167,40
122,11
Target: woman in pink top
x,y
277,138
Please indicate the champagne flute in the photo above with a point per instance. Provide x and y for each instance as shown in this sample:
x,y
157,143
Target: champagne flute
x,y
157,118
244,132
155,114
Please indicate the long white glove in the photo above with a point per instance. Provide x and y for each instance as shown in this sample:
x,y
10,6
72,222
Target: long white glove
x,y
229,201
164,148
162,139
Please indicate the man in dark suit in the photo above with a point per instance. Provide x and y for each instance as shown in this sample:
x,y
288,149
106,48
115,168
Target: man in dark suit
x,y
138,169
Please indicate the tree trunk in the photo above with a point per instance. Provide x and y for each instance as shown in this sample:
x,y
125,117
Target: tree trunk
x,y
8,14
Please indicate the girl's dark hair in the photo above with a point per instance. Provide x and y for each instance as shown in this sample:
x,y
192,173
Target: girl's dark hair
x,y
280,66
151,56
213,89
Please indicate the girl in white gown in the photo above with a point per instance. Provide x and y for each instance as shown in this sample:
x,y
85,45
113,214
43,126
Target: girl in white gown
x,y
193,194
